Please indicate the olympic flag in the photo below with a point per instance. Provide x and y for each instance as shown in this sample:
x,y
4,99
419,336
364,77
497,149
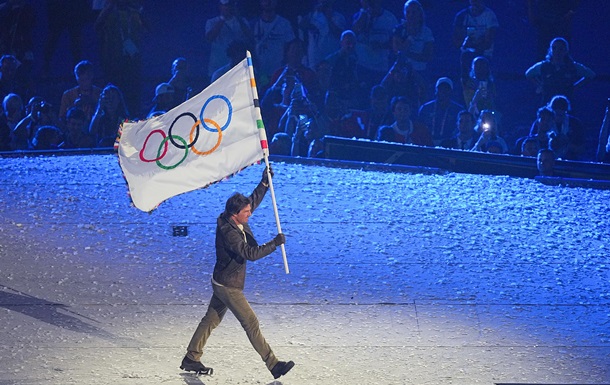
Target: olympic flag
x,y
205,139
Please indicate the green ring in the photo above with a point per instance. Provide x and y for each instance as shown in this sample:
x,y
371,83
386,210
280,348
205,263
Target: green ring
x,y
186,152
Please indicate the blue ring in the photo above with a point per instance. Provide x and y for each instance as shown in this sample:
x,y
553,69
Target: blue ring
x,y
214,129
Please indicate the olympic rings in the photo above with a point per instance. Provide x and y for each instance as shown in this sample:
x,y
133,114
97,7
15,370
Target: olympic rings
x,y
230,113
194,135
159,156
203,153
164,142
169,132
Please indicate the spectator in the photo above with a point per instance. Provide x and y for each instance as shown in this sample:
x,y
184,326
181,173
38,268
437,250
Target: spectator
x,y
365,123
570,130
111,111
529,148
322,30
545,162
271,33
603,144
181,81
440,114
77,130
17,23
296,72
236,51
9,80
412,37
120,26
373,27
404,129
558,74
281,144
163,100
343,80
41,114
302,122
401,80
5,134
474,33
488,131
466,137
85,92
47,138
12,107
541,131
479,87
378,113
551,18
221,30
70,16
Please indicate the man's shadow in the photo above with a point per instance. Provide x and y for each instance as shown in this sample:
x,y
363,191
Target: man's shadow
x,y
52,313
193,379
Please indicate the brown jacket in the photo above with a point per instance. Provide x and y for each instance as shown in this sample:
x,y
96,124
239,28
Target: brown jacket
x,y
233,250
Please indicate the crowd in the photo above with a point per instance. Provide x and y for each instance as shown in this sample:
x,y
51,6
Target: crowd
x,y
363,75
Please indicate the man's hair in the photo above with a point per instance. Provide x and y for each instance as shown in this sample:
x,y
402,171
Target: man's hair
x,y
236,203
82,67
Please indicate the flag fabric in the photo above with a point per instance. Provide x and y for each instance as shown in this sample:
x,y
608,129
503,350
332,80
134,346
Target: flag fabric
x,y
202,141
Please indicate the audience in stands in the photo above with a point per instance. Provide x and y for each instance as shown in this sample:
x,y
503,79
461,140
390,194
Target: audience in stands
x,y
321,29
271,32
120,27
163,100
13,111
474,33
41,113
111,111
545,162
85,94
404,129
558,74
603,146
569,143
489,137
479,87
466,136
47,138
343,71
373,26
221,30
333,76
413,39
181,81
440,114
76,130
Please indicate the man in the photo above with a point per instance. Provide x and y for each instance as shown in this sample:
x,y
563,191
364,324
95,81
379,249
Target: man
x,y
466,136
474,33
545,162
235,244
440,114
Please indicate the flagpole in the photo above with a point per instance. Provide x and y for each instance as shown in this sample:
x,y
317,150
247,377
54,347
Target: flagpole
x,y
265,146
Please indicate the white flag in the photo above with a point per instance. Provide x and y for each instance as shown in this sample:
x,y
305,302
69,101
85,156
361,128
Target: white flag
x,y
203,140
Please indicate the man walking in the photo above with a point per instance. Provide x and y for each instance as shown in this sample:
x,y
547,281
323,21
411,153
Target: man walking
x,y
235,245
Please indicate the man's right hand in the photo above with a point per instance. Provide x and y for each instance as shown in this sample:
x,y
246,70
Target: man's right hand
x,y
279,239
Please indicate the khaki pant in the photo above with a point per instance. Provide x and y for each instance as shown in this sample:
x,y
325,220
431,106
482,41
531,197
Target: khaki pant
x,y
233,299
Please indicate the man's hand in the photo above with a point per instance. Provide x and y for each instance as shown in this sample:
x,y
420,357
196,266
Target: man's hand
x,y
265,178
279,239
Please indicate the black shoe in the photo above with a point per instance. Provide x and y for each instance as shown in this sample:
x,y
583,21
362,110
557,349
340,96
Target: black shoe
x,y
195,366
281,368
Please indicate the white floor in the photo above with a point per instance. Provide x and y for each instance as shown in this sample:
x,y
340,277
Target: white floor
x,y
395,279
